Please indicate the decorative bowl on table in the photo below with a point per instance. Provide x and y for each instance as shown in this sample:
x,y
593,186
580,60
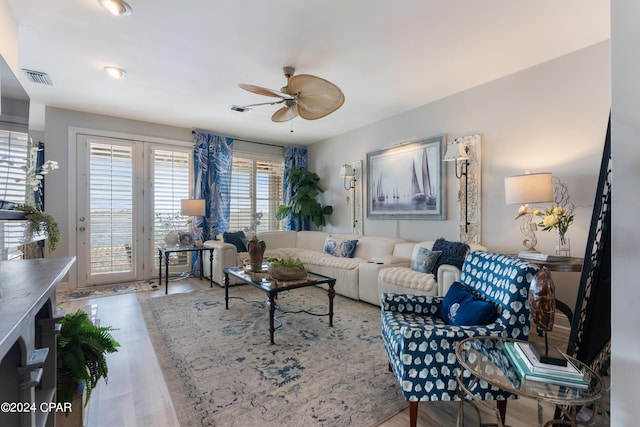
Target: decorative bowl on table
x,y
286,269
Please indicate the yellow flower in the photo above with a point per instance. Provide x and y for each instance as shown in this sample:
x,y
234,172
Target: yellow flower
x,y
559,210
550,220
537,212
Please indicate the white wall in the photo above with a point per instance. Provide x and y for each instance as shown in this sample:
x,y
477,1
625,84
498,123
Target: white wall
x,y
551,117
8,37
625,148
60,195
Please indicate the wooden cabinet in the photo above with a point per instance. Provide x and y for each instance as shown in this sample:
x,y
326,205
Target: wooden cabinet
x,y
28,327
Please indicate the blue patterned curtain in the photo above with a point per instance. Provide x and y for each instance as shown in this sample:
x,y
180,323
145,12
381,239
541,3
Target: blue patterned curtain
x,y
212,161
294,157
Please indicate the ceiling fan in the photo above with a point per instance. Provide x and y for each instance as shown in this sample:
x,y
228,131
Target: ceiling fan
x,y
307,96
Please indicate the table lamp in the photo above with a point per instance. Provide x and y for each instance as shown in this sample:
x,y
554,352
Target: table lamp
x,y
524,190
191,208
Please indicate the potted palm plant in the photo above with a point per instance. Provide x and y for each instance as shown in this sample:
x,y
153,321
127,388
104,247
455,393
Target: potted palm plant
x,y
81,356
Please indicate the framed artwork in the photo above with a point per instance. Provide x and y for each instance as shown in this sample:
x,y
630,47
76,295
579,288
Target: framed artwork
x,y
407,181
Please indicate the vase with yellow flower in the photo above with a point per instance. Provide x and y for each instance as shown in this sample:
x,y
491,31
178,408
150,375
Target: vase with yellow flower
x,y
557,218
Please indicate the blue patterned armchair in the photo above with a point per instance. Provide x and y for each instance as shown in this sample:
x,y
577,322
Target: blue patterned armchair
x,y
421,346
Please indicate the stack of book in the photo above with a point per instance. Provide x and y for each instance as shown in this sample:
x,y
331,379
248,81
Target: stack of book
x,y
529,367
538,256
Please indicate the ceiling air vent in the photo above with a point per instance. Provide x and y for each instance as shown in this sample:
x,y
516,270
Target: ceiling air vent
x,y
38,77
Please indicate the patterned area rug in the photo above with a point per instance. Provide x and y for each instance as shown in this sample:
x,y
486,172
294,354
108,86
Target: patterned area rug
x,y
105,291
221,369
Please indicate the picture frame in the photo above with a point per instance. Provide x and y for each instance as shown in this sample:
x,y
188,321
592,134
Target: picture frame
x,y
185,239
397,177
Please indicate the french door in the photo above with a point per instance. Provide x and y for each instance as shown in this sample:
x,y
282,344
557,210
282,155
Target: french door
x,y
128,200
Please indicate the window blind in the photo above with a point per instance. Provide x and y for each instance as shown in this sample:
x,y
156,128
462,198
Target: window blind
x,y
111,207
256,186
171,179
14,150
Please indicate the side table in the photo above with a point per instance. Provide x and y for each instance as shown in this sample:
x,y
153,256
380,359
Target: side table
x,y
166,252
484,358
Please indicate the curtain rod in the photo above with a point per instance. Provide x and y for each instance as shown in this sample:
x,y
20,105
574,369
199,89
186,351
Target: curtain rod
x,y
239,139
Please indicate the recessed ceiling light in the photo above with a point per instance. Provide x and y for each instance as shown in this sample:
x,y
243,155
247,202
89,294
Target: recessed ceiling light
x,y
116,7
115,72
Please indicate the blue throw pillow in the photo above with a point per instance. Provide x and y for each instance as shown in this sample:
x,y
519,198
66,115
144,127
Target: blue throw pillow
x,y
453,253
236,238
340,247
425,260
461,307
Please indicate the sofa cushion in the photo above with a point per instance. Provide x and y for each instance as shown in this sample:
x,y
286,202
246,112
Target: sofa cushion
x,y
453,253
461,307
236,238
340,247
425,260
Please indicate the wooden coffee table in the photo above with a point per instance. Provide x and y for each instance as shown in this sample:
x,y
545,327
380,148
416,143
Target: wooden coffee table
x,y
266,283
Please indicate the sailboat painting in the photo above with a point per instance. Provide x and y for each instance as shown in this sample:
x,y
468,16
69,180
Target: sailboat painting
x,y
407,181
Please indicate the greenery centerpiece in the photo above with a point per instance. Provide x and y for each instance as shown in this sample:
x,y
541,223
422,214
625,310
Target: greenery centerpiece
x,y
303,203
42,222
81,350
286,269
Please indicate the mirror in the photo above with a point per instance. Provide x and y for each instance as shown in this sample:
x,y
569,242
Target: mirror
x,y
14,101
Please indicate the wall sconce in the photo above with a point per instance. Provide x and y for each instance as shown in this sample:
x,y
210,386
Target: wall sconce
x,y
523,190
456,150
346,172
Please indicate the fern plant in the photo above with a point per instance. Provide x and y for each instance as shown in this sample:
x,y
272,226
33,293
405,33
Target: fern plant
x,y
82,348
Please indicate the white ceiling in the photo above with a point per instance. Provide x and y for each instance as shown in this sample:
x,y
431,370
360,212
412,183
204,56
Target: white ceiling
x,y
185,59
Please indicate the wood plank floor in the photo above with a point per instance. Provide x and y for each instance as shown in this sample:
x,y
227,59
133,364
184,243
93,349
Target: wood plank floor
x,y
136,394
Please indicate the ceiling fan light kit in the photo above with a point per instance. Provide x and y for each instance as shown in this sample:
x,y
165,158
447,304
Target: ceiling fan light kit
x,y
307,96
115,72
116,7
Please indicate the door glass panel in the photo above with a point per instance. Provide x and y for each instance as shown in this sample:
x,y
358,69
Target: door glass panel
x,y
111,208
171,184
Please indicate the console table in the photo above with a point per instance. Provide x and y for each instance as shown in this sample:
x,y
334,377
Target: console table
x,y
165,253
28,327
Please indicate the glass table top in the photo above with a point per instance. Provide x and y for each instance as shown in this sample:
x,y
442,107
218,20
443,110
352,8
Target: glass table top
x,y
487,359
263,279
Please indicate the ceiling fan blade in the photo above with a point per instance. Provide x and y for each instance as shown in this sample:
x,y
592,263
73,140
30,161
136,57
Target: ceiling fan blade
x,y
315,95
313,115
285,113
265,91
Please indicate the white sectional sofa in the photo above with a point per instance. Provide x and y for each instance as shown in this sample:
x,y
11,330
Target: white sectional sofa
x,y
308,246
358,277
404,280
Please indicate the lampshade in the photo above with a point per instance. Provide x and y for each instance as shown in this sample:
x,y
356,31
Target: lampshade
x,y
192,207
455,151
529,188
346,171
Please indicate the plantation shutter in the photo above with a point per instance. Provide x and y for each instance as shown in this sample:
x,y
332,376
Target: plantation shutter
x,y
256,186
242,193
111,206
171,184
269,188
14,152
